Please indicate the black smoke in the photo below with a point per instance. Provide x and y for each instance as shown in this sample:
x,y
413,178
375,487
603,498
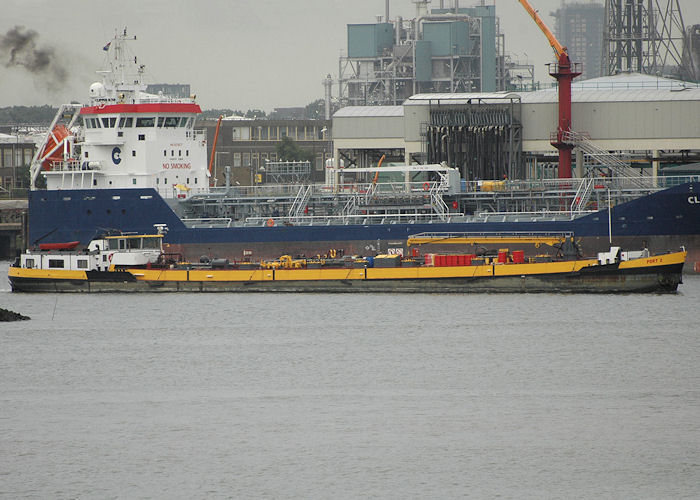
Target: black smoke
x,y
19,49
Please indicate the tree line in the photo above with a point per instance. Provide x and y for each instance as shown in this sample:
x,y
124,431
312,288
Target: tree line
x,y
43,115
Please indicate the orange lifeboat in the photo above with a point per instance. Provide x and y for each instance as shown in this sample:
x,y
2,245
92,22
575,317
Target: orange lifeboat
x,y
53,149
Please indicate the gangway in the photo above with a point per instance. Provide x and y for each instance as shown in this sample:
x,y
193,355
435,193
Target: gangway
x,y
604,159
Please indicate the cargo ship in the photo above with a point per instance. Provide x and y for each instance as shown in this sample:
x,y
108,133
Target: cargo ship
x,y
135,162
137,263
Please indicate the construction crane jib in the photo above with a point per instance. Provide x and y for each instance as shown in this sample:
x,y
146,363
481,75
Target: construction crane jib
x,y
559,49
563,70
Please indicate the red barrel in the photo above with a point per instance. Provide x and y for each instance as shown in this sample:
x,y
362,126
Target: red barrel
x,y
519,256
502,257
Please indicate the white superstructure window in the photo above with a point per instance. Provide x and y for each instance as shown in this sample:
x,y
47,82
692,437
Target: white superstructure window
x,y
146,122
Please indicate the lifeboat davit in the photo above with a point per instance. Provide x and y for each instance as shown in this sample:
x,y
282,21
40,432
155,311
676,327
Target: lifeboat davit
x,y
53,149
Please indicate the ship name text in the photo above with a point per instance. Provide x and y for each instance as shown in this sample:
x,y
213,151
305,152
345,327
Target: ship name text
x,y
173,166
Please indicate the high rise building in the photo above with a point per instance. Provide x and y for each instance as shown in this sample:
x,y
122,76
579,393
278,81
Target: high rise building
x,y
580,28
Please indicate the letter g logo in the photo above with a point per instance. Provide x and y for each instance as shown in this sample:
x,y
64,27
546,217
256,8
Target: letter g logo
x,y
116,158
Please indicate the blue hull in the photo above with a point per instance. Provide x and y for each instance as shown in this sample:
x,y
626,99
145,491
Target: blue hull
x,y
661,221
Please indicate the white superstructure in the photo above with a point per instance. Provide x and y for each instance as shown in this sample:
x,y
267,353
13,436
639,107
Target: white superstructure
x,y
127,139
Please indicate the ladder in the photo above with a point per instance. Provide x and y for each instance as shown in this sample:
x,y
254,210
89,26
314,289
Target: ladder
x,y
581,197
300,202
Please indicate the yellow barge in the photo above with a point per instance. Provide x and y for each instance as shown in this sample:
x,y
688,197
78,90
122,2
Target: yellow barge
x,y
135,263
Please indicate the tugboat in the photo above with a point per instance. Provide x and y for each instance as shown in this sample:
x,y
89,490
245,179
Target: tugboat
x,y
137,263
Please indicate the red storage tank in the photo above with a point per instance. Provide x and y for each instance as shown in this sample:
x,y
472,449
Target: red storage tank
x,y
468,259
502,257
519,256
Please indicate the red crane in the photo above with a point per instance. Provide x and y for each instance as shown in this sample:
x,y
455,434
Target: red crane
x,y
564,71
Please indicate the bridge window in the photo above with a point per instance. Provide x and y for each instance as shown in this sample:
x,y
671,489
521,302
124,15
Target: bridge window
x,y
160,121
151,243
145,122
55,263
125,122
183,121
171,121
109,122
82,263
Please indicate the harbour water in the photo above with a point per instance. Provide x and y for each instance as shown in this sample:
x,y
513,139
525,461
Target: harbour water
x,y
357,396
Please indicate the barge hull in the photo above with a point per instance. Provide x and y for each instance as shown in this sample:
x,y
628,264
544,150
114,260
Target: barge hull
x,y
596,279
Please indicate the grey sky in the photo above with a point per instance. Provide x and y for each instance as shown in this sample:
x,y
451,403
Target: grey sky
x,y
237,54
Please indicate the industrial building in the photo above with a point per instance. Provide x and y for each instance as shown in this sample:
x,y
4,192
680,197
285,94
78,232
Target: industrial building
x,y
580,27
653,120
442,50
16,152
247,145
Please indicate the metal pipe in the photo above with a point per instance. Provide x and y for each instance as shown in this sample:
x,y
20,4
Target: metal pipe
x,y
227,176
386,11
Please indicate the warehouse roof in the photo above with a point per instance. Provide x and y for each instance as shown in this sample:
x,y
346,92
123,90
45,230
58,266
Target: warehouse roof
x,y
370,111
624,95
623,87
463,98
